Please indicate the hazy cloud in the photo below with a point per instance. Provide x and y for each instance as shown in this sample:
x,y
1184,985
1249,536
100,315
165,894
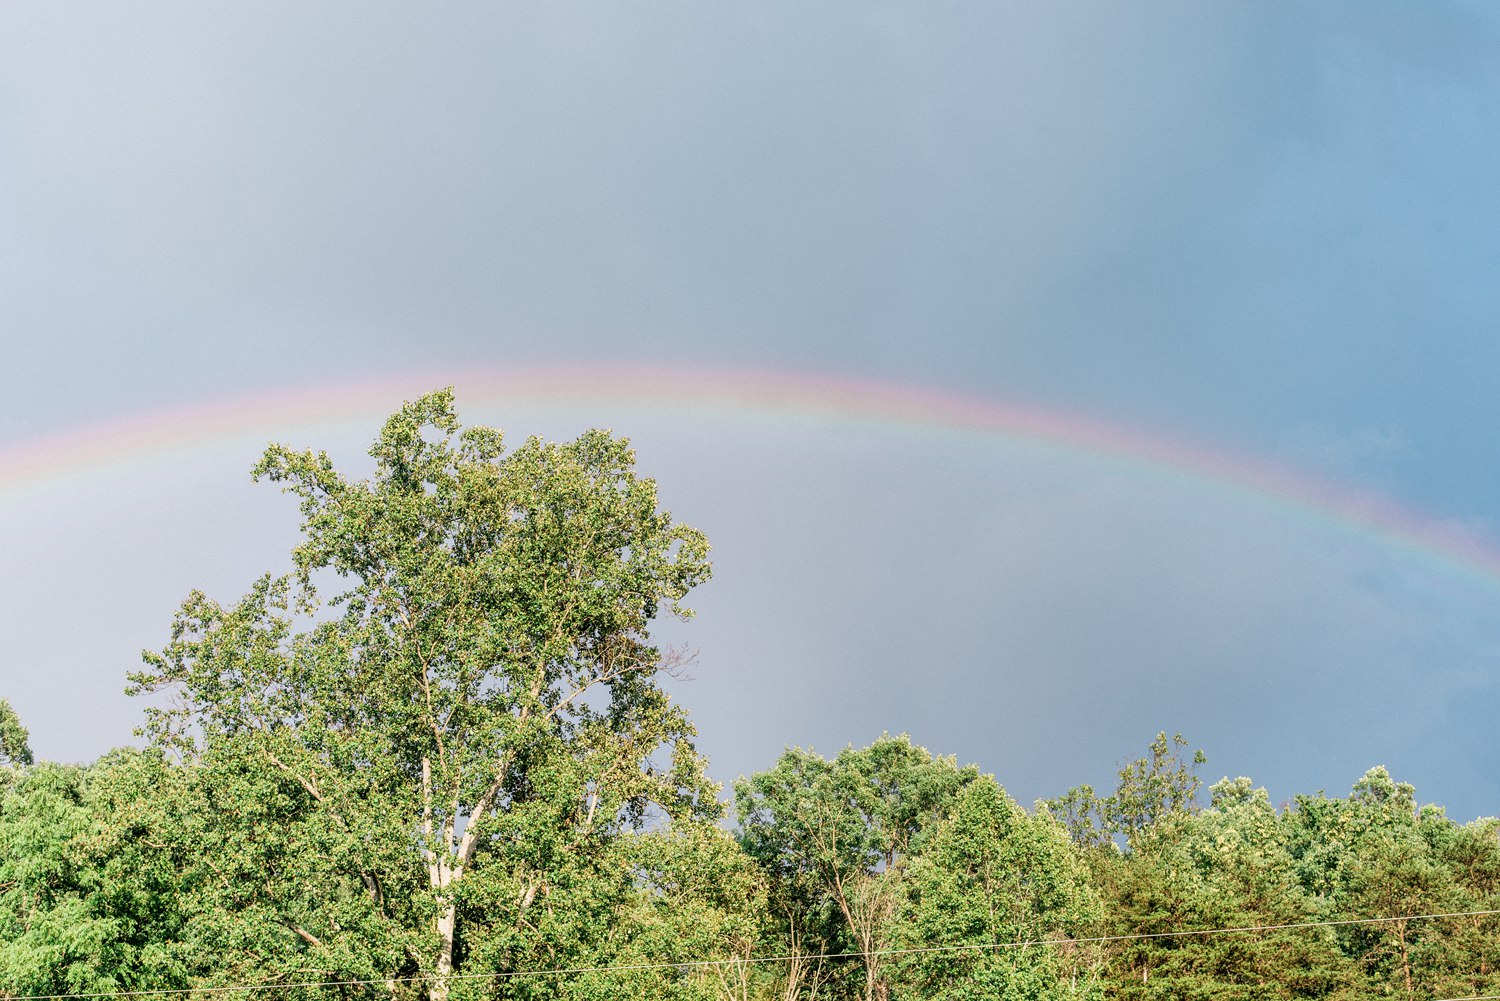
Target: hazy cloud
x,y
1230,224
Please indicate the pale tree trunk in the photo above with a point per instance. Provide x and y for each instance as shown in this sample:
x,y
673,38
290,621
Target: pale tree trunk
x,y
440,875
446,923
445,867
449,858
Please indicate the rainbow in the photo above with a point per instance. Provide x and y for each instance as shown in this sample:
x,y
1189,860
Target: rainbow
x,y
55,460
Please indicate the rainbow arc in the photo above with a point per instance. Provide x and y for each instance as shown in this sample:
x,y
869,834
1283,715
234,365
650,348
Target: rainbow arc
x,y
51,461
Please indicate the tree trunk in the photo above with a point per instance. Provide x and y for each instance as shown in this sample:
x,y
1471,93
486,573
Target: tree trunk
x,y
446,922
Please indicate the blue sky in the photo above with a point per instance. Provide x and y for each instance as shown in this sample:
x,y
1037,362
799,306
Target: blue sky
x,y
1270,229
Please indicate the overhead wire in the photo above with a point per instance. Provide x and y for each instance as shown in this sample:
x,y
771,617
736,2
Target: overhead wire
x,y
761,960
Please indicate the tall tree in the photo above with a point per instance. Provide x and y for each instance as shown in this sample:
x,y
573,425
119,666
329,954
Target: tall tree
x,y
836,837
993,876
88,896
475,715
1471,855
1376,855
1224,867
1149,789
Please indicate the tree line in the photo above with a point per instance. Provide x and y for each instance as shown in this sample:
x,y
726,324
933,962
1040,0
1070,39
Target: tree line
x,y
435,760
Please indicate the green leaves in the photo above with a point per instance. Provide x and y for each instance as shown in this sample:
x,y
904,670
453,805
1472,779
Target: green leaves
x,y
88,899
13,736
475,705
1150,789
885,853
836,837
990,873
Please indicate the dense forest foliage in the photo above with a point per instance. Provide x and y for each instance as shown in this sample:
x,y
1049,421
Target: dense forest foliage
x,y
435,761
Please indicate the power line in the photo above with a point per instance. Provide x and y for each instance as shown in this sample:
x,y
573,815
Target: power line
x,y
758,960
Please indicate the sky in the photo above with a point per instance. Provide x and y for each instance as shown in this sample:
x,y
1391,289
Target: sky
x,y
1263,233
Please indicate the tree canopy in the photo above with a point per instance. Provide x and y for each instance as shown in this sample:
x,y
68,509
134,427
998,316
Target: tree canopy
x,y
466,727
